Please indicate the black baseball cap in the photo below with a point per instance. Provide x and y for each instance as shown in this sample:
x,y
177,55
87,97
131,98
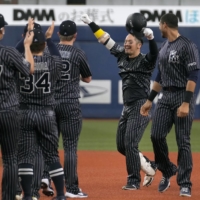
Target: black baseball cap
x,y
36,26
2,21
67,28
39,36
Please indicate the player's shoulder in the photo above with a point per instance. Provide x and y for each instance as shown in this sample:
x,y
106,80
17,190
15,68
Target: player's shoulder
x,y
70,48
188,44
186,40
8,49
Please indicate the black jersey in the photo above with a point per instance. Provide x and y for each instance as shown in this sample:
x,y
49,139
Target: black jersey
x,y
135,73
39,87
175,60
74,64
11,61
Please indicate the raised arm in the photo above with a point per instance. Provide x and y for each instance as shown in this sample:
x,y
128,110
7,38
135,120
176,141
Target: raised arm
x,y
102,36
51,46
153,49
28,55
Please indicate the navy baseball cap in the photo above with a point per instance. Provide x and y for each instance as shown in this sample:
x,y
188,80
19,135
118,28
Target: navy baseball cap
x,y
36,26
39,36
67,28
2,21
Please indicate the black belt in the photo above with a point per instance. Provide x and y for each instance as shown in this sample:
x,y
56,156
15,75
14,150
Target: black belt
x,y
173,88
34,106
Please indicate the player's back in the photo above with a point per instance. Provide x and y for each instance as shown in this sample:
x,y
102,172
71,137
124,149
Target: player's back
x,y
74,63
39,88
10,62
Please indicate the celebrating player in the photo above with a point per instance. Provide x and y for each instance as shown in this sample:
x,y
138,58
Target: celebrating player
x,y
38,120
38,164
68,111
11,61
135,71
178,64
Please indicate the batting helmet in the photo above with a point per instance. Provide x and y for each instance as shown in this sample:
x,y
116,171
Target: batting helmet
x,y
135,23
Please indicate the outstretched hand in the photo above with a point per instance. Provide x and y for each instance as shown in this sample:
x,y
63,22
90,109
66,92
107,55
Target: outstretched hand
x,y
50,31
85,18
30,24
29,38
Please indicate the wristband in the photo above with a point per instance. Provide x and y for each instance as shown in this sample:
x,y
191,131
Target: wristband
x,y
188,96
152,95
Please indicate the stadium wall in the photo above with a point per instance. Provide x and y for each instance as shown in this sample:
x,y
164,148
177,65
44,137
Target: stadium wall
x,y
102,98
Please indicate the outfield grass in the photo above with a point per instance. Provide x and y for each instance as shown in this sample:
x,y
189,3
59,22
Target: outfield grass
x,y
101,135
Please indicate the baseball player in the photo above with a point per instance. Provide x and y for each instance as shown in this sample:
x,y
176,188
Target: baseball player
x,y
178,64
38,120
135,70
11,61
38,164
68,111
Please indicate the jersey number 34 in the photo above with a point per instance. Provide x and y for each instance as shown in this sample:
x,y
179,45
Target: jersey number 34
x,y
30,84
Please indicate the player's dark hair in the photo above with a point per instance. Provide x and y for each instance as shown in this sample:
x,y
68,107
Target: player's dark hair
x,y
37,47
170,19
140,40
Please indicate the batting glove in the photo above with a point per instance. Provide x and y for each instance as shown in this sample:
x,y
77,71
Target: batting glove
x,y
148,33
85,18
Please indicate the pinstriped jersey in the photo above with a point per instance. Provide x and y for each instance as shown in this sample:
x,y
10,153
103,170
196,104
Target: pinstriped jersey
x,y
135,73
11,61
39,87
74,64
175,60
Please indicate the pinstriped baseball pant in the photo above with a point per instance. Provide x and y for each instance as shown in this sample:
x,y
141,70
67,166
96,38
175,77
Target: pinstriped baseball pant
x,y
164,117
38,125
130,131
9,134
69,119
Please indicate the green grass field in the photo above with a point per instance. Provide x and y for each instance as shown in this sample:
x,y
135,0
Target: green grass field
x,y
100,135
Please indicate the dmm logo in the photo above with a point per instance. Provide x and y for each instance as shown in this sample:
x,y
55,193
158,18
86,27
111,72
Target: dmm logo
x,y
37,14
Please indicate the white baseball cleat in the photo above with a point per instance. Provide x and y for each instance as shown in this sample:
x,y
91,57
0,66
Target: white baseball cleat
x,y
46,186
18,197
80,194
147,180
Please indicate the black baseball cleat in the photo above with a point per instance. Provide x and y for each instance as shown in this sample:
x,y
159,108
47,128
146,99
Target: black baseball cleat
x,y
60,198
27,198
129,187
164,184
185,192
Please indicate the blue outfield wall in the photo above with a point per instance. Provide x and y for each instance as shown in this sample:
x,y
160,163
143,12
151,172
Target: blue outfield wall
x,y
100,98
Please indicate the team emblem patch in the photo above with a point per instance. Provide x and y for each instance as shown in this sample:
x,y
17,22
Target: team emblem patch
x,y
173,57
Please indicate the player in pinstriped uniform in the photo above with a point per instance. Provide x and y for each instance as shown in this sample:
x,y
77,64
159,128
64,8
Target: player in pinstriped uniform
x,y
38,120
10,62
178,64
38,164
135,70
68,111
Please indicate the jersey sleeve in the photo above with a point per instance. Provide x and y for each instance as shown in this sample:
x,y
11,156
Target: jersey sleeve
x,y
84,66
192,57
17,61
117,50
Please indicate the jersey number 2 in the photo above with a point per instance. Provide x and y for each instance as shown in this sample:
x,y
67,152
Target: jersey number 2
x,y
65,75
30,84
